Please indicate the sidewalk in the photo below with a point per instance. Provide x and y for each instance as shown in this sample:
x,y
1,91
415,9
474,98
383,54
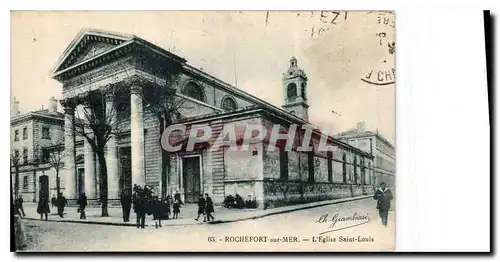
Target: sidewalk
x,y
186,217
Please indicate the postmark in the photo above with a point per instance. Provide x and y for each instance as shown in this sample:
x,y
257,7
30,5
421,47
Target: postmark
x,y
383,73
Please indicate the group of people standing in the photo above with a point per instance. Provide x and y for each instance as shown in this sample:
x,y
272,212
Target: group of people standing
x,y
205,208
43,207
145,202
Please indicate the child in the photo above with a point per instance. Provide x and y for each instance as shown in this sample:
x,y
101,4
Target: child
x,y
177,205
158,211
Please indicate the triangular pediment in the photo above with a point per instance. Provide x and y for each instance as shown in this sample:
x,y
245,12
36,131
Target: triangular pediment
x,y
87,44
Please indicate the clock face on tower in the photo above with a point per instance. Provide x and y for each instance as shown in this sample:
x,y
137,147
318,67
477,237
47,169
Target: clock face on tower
x,y
383,72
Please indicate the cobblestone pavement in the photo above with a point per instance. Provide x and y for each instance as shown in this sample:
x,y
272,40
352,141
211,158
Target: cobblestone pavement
x,y
370,236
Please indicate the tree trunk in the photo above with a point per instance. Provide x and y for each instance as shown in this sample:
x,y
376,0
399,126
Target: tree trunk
x,y
165,161
103,183
58,182
16,182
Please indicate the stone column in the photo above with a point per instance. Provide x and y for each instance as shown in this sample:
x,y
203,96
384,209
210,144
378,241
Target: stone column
x,y
90,167
69,151
111,154
137,139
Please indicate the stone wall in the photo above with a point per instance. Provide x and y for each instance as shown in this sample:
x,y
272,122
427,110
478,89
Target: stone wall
x,y
245,188
281,193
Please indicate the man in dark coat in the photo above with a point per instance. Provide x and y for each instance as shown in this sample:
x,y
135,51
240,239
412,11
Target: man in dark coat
x,y
61,203
383,195
43,207
126,201
82,204
53,201
201,208
19,205
209,207
139,202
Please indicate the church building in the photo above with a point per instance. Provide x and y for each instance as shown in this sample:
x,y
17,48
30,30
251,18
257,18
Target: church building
x,y
99,60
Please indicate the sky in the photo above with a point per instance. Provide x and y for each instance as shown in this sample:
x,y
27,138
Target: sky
x,y
344,54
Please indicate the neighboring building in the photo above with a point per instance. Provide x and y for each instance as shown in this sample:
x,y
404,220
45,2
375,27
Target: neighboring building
x,y
382,150
32,136
96,60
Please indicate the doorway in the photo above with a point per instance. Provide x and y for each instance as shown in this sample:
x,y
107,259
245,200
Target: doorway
x,y
125,163
191,178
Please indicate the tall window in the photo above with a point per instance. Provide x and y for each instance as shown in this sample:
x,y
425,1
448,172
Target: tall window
x,y
355,171
291,90
369,174
363,174
25,155
283,163
228,104
193,90
45,155
25,182
330,167
25,133
45,133
344,168
310,165
16,135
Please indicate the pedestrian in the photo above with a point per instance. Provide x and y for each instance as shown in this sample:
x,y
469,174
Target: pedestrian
x,y
209,207
177,196
383,195
126,201
61,203
43,207
201,208
82,204
158,210
139,207
53,200
176,209
19,205
167,203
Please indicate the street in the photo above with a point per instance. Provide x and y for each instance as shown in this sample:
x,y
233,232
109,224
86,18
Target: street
x,y
367,234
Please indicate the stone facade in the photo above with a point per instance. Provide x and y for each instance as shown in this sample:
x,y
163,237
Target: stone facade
x,y
384,162
134,155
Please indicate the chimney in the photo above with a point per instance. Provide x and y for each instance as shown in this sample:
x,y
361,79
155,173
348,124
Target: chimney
x,y
14,108
52,106
361,127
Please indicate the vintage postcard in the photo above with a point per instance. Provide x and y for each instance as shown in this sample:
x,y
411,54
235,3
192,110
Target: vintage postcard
x,y
215,131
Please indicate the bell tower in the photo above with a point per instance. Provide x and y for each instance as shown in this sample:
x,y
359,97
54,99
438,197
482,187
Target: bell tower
x,y
295,88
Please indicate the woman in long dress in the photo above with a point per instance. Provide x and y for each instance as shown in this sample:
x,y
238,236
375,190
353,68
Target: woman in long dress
x,y
43,207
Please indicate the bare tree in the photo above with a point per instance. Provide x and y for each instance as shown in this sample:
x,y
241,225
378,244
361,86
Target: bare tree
x,y
15,160
55,159
163,103
95,124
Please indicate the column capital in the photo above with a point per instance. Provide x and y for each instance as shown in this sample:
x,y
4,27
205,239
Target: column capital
x,y
68,105
136,90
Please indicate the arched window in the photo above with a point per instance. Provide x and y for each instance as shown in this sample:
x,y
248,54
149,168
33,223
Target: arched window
x,y
292,112
228,104
193,90
291,90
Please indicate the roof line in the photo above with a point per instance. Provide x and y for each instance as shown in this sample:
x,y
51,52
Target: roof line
x,y
81,34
